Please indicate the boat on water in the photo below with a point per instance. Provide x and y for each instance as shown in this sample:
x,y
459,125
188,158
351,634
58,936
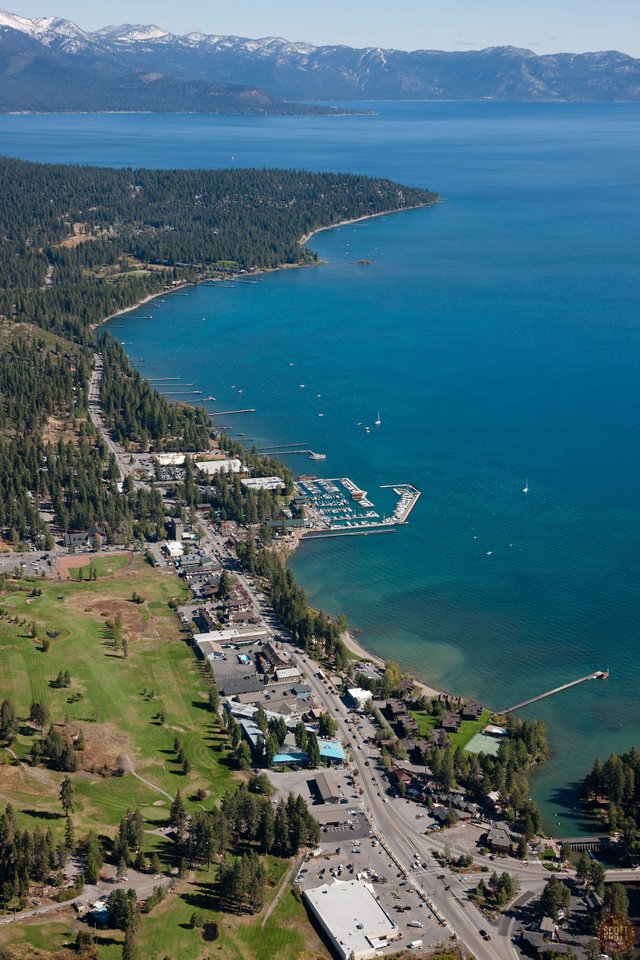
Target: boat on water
x,y
378,421
525,489
367,429
317,456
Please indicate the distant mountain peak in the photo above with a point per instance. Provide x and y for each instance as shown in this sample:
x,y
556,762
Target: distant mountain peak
x,y
283,70
131,33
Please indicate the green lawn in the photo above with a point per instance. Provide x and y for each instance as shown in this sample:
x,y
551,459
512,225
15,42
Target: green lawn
x,y
468,728
426,723
104,566
44,935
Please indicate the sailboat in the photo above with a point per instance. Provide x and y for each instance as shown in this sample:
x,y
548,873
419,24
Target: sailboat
x,y
525,489
378,421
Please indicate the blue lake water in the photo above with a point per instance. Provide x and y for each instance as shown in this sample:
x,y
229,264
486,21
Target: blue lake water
x,y
498,335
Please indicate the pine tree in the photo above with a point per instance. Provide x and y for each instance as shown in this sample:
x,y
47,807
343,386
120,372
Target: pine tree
x,y
66,796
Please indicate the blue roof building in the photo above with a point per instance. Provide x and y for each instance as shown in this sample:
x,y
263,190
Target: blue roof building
x,y
330,750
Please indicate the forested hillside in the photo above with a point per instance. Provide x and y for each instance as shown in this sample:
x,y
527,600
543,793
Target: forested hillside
x,y
79,243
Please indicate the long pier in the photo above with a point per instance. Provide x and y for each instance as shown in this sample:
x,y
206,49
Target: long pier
x,y
282,446
362,532
227,413
598,675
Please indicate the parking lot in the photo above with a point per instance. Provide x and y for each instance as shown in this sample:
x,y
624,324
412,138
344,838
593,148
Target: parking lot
x,y
30,565
367,859
302,782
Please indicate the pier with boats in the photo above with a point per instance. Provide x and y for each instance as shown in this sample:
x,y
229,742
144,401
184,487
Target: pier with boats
x,y
338,506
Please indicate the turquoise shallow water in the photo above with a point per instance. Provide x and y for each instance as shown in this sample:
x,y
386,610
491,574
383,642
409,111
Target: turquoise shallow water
x,y
498,336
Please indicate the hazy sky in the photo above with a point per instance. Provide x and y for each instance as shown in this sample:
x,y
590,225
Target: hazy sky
x,y
542,25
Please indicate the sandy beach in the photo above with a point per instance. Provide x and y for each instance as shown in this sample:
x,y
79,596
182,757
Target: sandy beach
x,y
369,216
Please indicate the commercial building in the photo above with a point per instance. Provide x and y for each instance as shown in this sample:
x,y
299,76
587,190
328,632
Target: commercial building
x,y
214,467
287,673
326,790
173,549
359,698
499,840
351,918
263,483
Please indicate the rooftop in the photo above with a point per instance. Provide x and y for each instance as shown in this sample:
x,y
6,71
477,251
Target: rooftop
x,y
352,915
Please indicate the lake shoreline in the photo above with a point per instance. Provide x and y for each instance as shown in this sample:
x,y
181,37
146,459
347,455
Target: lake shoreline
x,y
185,284
350,642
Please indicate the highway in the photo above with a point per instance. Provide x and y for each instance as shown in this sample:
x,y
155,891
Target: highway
x,y
95,413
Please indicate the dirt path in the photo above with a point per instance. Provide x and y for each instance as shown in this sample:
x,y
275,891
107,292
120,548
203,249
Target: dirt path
x,y
130,768
283,886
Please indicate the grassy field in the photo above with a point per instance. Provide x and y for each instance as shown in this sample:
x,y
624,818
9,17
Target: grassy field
x,y
114,701
103,566
468,729
426,723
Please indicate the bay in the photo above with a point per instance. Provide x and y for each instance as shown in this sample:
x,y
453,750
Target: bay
x,y
498,336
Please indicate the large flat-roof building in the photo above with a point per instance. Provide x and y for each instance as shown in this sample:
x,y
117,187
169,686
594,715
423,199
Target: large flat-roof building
x,y
351,918
263,483
213,467
359,698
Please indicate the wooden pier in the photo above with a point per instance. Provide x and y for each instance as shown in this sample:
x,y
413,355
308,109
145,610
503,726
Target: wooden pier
x,y
598,675
227,413
362,532
281,446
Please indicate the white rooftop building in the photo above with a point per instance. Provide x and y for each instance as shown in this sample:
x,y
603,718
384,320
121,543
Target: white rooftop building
x,y
351,918
217,636
359,697
287,673
214,467
263,483
173,549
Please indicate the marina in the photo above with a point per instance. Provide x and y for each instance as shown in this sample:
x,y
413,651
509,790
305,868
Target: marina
x,y
339,504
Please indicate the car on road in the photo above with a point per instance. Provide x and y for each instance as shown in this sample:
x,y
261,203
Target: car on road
x,y
484,935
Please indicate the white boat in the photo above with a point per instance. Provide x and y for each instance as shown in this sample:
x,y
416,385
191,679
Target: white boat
x,y
525,489
317,456
378,421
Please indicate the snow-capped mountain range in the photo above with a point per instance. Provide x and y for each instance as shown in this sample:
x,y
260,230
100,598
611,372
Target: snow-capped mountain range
x,y
37,56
